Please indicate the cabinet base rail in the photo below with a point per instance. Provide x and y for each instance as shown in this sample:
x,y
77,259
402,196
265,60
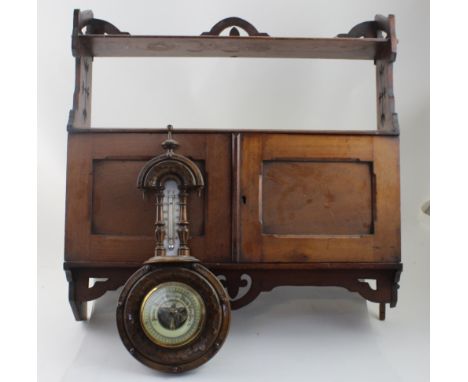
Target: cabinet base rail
x,y
376,282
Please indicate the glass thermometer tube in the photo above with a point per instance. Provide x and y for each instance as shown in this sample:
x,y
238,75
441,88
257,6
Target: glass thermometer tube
x,y
171,211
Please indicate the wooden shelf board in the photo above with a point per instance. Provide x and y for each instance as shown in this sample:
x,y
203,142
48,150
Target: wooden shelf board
x,y
215,46
120,130
245,266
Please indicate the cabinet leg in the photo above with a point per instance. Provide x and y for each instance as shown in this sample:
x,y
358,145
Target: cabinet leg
x,y
79,309
75,284
382,311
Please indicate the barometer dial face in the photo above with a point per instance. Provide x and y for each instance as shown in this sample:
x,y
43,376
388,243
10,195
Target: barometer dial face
x,y
172,314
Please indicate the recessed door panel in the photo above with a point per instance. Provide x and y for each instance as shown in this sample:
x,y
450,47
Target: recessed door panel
x,y
108,217
316,198
319,198
119,208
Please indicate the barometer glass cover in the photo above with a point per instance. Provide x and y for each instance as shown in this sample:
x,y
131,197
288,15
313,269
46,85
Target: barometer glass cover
x,y
172,314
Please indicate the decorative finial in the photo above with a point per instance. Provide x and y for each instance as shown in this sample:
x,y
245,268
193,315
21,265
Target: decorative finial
x,y
170,144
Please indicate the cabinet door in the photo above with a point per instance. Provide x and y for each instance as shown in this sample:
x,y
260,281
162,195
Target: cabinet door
x,y
319,198
109,219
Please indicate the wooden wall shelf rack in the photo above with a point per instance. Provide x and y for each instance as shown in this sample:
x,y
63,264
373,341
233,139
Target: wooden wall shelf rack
x,y
278,208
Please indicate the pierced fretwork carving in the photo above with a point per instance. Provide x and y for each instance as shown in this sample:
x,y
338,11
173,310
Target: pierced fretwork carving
x,y
85,23
233,22
245,285
79,291
370,29
367,29
98,26
353,280
239,288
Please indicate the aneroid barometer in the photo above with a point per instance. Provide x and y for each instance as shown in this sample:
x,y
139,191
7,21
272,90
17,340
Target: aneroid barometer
x,y
173,314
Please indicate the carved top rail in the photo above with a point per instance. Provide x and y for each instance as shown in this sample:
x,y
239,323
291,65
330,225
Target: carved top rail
x,y
367,41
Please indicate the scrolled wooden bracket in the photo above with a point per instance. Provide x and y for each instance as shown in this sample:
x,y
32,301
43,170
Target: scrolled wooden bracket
x,y
234,282
80,292
386,291
84,23
367,29
376,29
98,26
245,283
370,29
85,19
234,22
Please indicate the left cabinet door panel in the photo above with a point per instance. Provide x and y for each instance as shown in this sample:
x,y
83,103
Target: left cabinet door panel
x,y
109,220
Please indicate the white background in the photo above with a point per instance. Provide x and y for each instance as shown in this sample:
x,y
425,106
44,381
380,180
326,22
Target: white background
x,y
326,334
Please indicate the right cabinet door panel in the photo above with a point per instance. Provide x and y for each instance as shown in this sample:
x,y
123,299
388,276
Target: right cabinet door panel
x,y
319,198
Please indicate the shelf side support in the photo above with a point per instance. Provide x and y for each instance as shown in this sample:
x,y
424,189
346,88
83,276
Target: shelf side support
x,y
80,114
387,118
85,23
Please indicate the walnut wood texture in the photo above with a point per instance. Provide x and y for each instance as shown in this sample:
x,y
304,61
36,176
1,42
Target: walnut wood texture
x,y
380,27
245,282
94,38
387,119
356,213
118,44
119,208
123,130
256,280
104,206
281,208
215,46
299,198
309,198
80,115
80,292
233,23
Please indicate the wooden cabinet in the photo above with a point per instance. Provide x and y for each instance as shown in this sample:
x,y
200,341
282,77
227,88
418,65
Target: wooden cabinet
x,y
301,198
278,208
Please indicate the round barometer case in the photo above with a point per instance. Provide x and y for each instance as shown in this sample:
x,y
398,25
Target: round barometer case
x,y
173,316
